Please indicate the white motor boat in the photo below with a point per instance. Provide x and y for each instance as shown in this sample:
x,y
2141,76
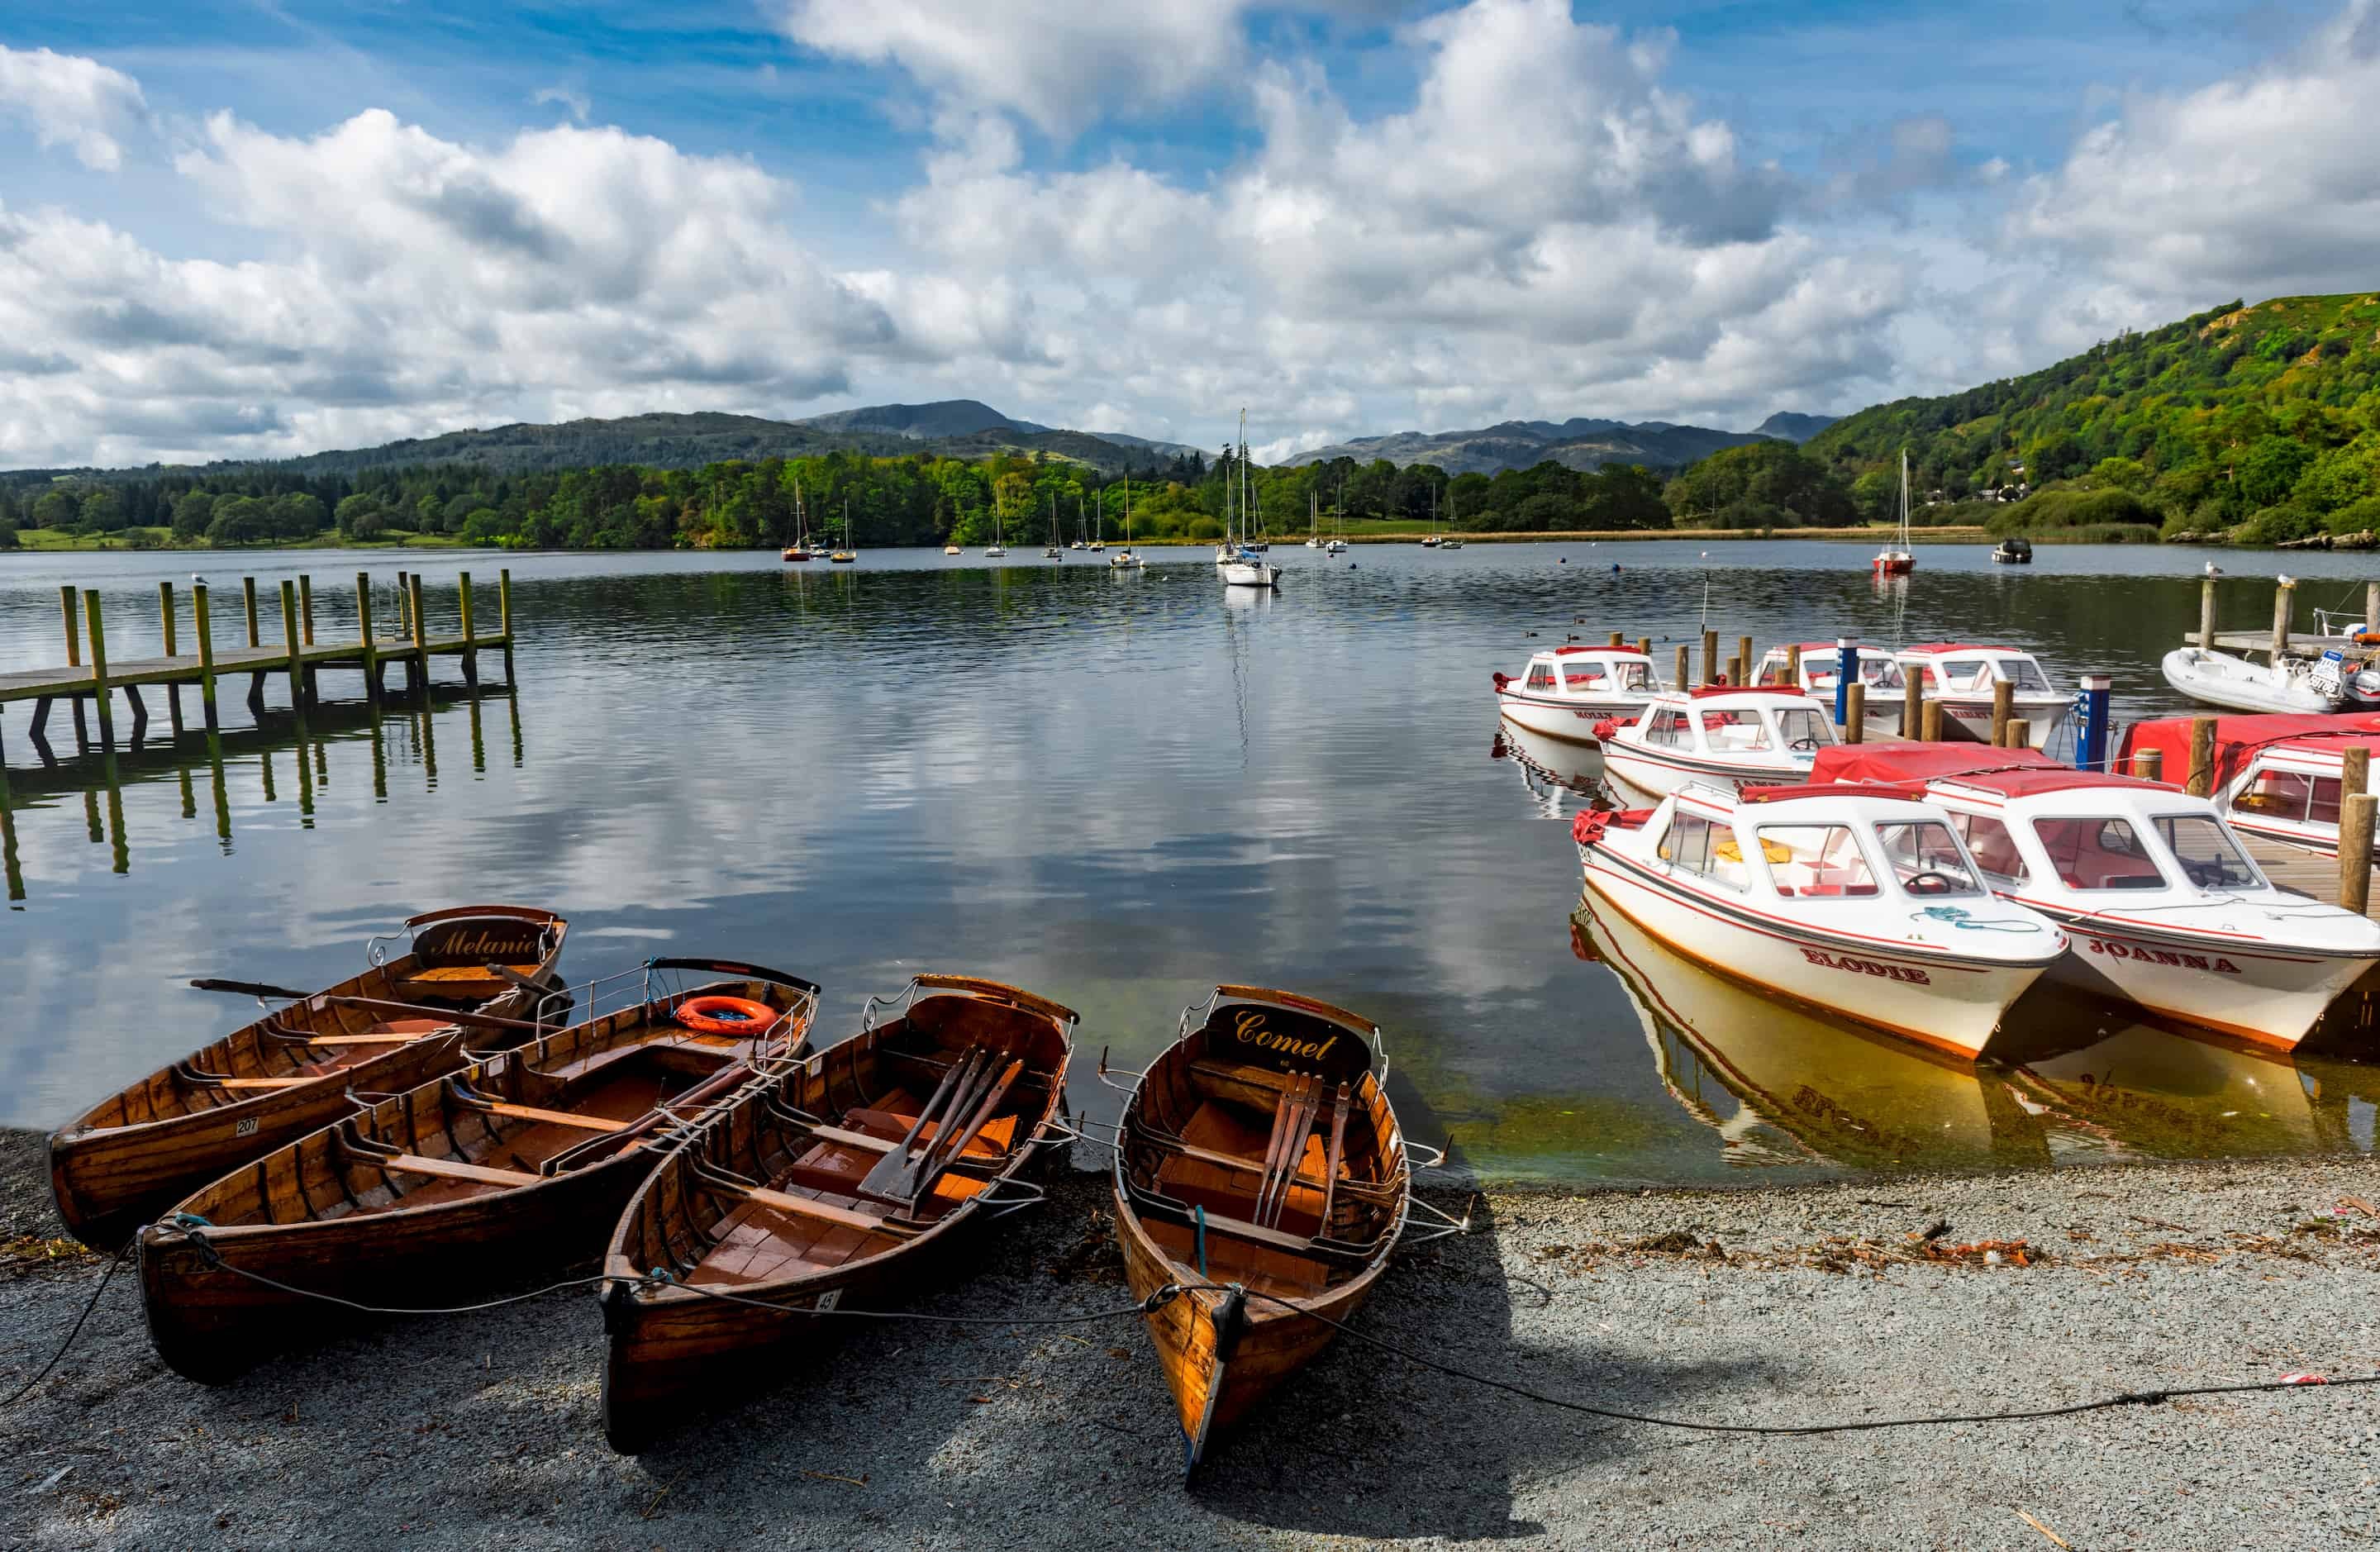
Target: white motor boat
x,y
1850,900
1565,692
1246,570
1124,559
1717,735
2275,777
2237,684
1822,665
2165,906
1964,678
1334,546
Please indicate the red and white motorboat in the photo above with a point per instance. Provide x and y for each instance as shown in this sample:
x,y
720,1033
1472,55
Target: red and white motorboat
x,y
1563,692
2165,906
1734,737
1847,898
1822,665
1964,678
2276,776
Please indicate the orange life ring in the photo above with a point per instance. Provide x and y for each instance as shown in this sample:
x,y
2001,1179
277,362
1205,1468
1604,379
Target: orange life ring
x,y
725,1016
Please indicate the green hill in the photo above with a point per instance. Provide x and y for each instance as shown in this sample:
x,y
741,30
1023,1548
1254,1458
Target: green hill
x,y
2264,421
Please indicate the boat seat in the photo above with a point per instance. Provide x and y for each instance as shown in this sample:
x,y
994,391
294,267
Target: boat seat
x,y
433,974
449,1169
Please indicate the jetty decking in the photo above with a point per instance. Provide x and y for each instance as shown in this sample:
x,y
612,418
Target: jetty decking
x,y
88,675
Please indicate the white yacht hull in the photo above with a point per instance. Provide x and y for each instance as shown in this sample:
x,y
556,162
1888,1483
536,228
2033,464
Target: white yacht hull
x,y
1569,721
2237,684
1656,773
1251,574
1968,720
2270,993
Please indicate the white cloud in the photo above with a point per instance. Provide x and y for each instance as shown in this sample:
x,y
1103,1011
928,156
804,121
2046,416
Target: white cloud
x,y
570,99
70,100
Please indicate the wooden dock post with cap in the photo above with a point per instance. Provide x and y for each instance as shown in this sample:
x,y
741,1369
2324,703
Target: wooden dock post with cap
x,y
1643,646
2200,779
1617,638
247,590
165,618
1912,704
1793,666
306,605
2206,611
1685,669
2284,601
1855,712
2020,733
1710,657
1929,723
2148,765
1735,671
204,624
2003,707
1744,655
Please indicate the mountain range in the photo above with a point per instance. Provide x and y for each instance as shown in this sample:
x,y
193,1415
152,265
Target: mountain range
x,y
1579,444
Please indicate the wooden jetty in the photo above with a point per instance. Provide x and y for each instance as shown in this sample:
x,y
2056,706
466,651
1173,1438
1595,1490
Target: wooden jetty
x,y
2282,640
88,674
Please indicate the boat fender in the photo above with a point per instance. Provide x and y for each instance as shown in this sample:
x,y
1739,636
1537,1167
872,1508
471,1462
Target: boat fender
x,y
725,1016
1606,727
1502,679
1587,828
187,1220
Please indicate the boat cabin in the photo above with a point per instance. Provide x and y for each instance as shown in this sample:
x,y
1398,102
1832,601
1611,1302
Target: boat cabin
x,y
1746,737
1878,668
1597,672
2277,777
1964,677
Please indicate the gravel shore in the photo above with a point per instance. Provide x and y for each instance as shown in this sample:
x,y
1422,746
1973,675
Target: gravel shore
x,y
1785,1305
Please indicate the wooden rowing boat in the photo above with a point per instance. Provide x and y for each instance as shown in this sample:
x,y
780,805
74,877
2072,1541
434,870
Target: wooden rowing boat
x,y
841,1179
287,1074
1259,1166
504,1176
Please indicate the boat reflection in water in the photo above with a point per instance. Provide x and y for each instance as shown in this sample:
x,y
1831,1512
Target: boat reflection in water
x,y
1783,1086
1548,762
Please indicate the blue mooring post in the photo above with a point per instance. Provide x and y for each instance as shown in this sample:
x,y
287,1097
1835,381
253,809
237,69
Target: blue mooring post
x,y
2090,708
1846,670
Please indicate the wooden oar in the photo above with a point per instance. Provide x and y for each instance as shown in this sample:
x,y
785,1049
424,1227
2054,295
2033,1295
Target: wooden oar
x,y
250,988
888,1180
1331,1165
1301,1126
937,1159
443,1016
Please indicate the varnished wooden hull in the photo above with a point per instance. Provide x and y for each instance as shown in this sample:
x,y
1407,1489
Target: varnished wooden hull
x,y
674,1350
111,1171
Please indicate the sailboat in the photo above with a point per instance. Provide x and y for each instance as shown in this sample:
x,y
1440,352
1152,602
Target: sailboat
x,y
995,550
1056,552
1337,543
1447,541
1123,559
1312,520
1247,566
800,549
1099,521
1894,559
846,555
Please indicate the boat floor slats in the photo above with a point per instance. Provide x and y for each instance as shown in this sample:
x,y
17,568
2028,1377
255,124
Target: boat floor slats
x,y
1261,1266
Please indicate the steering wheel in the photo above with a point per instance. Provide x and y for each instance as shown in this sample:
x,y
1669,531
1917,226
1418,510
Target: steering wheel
x,y
1942,883
2205,875
1808,742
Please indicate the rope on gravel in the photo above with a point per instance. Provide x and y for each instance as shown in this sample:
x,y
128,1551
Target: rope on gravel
x,y
27,1388
2103,1403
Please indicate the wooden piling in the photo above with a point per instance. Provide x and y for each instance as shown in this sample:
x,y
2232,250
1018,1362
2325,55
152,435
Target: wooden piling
x,y
1930,721
2354,769
1617,638
1793,666
1744,655
364,626
2355,815
200,618
504,623
1735,671
99,672
165,615
2020,733
470,637
1710,657
1855,712
1912,703
2200,782
2003,707
2149,765
421,633
2206,613
306,605
247,590
2372,606
68,606
289,641
2284,602
1643,645
404,618
1685,679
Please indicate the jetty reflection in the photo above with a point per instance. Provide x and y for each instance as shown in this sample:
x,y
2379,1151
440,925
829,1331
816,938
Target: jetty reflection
x,y
1779,1085
286,756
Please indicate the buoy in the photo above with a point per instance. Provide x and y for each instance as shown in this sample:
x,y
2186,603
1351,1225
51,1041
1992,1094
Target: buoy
x,y
1615,565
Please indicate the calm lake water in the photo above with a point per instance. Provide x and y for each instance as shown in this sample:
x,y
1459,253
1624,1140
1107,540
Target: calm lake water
x,y
1113,789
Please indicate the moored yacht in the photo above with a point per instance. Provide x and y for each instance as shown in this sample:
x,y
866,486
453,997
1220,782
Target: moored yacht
x,y
1716,734
1964,679
1855,902
2165,908
1566,691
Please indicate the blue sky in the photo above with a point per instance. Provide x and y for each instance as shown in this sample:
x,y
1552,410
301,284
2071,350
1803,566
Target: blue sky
x,y
1359,215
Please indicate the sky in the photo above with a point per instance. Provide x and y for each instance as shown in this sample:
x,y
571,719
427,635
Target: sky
x,y
252,228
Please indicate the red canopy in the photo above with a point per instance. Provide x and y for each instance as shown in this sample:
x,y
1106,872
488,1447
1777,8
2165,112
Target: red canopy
x,y
2237,739
2009,772
1931,648
1814,789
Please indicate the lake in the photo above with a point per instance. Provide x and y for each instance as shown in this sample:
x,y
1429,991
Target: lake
x,y
1114,789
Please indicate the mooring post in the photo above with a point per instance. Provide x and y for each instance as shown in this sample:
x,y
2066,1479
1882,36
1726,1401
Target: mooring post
x,y
165,615
470,652
2020,733
1846,675
1744,655
2003,707
2283,596
2206,612
1912,703
73,611
1643,646
1685,679
421,634
2200,782
98,674
2355,814
1735,671
2372,606
363,623
1617,638
247,588
289,642
504,623
2148,765
198,617
1929,723
1855,713
2091,745
1793,666
404,619
1710,657
306,605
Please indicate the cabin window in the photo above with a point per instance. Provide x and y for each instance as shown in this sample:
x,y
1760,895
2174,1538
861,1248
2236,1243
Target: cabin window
x,y
1993,847
1584,675
1815,860
2208,855
1632,675
1965,673
2026,675
1540,677
1772,671
1737,732
1880,674
2289,795
1925,859
2097,853
1668,728
1802,728
1699,846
